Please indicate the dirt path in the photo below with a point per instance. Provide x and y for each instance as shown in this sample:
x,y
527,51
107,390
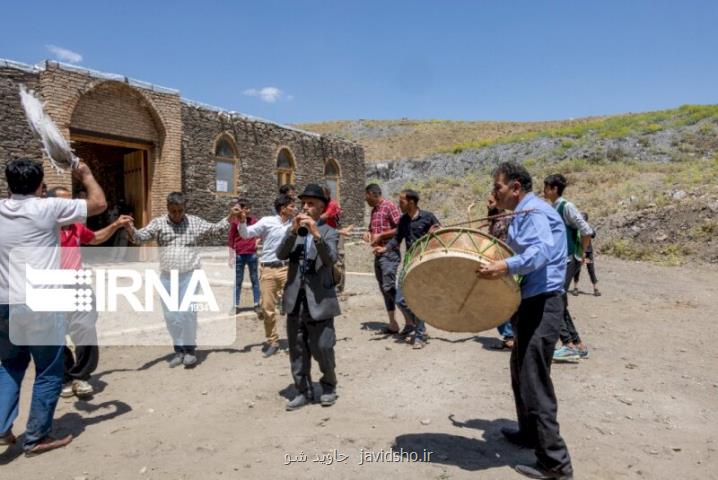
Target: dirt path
x,y
643,406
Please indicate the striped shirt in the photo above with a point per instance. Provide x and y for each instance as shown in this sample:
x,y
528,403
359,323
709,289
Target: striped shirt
x,y
178,240
384,217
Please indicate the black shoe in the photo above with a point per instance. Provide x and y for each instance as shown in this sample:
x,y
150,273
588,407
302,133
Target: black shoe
x,y
540,473
297,402
517,438
389,331
407,330
271,350
237,310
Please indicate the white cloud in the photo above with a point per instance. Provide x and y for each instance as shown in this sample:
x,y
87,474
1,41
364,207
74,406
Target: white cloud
x,y
64,54
268,94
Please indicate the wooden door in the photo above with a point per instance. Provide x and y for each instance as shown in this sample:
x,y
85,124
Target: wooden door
x,y
135,172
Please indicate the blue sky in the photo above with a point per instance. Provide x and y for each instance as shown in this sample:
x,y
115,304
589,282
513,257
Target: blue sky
x,y
296,61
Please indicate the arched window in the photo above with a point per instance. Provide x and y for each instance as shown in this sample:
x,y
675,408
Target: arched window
x,y
225,153
285,167
332,175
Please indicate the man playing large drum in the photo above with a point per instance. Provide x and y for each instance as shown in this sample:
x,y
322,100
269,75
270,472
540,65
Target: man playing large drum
x,y
538,238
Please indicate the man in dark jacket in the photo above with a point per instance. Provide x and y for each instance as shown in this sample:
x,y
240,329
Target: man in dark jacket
x,y
310,298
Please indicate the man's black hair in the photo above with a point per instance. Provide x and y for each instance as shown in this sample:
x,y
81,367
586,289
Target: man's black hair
x,y
515,173
557,181
282,201
411,195
373,188
286,188
23,176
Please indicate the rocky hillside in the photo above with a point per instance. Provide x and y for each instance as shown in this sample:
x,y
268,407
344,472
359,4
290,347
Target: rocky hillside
x,y
401,139
649,181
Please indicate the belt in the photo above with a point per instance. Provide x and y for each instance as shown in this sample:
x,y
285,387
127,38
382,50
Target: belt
x,y
277,264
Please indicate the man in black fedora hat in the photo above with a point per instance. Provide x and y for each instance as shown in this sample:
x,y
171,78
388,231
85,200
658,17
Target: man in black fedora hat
x,y
310,298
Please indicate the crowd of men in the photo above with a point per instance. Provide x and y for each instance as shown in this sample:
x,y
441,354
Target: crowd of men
x,y
300,268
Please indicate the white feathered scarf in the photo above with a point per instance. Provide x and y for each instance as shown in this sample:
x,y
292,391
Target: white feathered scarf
x,y
56,146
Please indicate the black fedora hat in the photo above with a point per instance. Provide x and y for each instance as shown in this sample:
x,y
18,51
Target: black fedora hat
x,y
314,191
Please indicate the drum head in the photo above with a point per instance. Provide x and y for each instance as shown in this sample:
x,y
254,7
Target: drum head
x,y
444,291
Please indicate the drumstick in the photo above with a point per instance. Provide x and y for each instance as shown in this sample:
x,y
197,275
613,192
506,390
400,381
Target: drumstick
x,y
473,286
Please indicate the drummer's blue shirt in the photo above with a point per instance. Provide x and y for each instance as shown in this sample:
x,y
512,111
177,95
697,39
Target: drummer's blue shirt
x,y
538,240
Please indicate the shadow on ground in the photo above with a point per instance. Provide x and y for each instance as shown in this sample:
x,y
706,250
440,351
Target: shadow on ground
x,y
467,453
74,423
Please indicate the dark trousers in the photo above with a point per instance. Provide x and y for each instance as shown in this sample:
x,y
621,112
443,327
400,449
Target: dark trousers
x,y
569,333
252,263
81,327
591,267
311,338
385,267
536,327
80,365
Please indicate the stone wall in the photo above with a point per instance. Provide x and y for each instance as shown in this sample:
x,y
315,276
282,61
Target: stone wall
x,y
257,145
182,136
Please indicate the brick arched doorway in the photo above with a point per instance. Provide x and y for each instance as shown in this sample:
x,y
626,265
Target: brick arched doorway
x,y
116,130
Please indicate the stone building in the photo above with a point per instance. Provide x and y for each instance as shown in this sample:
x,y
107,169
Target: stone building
x,y
144,141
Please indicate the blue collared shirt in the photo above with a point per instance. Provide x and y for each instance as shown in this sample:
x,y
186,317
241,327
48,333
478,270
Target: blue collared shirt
x,y
538,240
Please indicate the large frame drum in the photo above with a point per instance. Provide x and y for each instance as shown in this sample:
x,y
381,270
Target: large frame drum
x,y
440,285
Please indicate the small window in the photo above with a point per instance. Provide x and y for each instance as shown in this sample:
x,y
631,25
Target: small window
x,y
224,149
331,177
331,169
225,177
285,167
284,159
225,153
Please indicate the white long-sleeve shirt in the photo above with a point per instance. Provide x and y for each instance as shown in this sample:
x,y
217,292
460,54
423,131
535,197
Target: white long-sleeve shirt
x,y
271,230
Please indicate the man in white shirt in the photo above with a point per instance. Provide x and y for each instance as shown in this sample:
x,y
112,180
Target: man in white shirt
x,y
272,271
27,220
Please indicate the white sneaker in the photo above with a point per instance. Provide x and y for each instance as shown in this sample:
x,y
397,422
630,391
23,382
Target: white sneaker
x,y
66,391
82,389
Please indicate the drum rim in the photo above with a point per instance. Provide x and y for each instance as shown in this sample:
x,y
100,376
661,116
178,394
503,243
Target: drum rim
x,y
473,230
409,254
